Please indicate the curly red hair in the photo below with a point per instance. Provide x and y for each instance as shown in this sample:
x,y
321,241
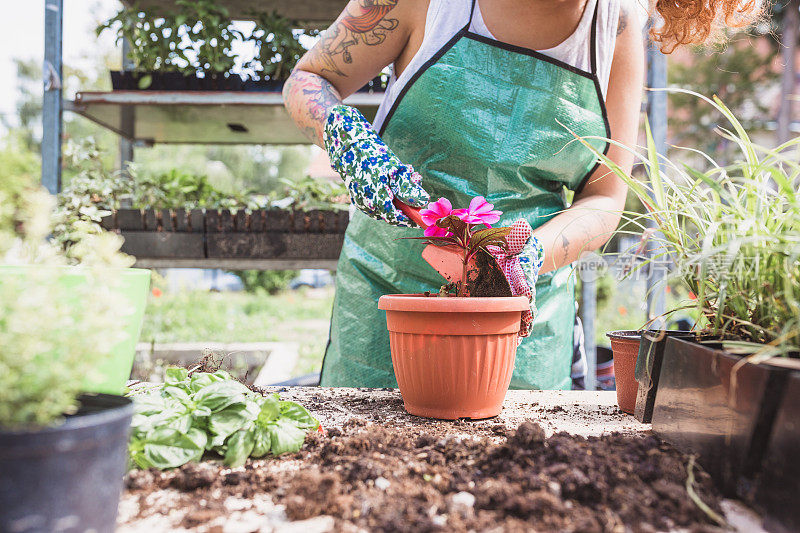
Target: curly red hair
x,y
700,21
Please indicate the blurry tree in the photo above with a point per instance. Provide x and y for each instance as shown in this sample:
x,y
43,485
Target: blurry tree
x,y
785,21
738,73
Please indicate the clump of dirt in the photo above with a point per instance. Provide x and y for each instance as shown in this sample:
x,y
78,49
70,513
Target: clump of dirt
x,y
487,279
398,479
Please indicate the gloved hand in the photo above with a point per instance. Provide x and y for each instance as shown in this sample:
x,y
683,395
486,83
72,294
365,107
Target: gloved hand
x,y
520,262
373,173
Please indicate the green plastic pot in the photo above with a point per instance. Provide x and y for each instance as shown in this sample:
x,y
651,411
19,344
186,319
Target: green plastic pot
x,y
132,287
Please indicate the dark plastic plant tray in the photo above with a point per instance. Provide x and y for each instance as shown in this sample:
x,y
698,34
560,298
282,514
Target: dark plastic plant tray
x,y
777,490
177,81
648,369
703,408
262,234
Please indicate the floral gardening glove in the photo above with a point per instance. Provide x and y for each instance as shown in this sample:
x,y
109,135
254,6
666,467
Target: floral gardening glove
x,y
521,262
372,173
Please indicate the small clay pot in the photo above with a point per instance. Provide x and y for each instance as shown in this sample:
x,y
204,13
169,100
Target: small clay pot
x,y
625,345
453,357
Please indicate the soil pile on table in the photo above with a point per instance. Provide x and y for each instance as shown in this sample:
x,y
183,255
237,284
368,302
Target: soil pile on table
x,y
386,479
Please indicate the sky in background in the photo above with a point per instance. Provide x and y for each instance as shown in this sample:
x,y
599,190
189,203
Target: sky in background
x,y
22,36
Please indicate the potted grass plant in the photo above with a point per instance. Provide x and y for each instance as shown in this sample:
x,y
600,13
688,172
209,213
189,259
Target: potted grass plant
x,y
732,234
453,354
62,444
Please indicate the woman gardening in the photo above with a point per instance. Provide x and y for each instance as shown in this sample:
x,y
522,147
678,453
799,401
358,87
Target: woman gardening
x,y
484,99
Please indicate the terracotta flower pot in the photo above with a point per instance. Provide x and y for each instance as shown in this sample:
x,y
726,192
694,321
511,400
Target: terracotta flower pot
x,y
453,357
625,345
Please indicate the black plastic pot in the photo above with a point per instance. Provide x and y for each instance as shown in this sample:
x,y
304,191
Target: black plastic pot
x,y
648,369
703,407
66,478
778,486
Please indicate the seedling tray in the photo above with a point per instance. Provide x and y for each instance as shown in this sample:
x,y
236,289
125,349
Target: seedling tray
x,y
198,234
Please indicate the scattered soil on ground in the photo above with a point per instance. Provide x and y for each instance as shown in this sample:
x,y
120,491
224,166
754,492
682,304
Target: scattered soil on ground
x,y
403,479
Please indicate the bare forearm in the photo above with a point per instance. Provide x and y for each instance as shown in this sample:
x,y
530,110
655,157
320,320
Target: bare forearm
x,y
308,98
585,226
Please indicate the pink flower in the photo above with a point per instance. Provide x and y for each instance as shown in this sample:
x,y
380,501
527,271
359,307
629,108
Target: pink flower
x,y
432,213
479,212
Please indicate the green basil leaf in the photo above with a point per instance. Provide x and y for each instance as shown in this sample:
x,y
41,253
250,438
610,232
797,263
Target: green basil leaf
x,y
203,379
169,448
175,374
201,411
220,395
285,437
298,413
148,404
270,408
239,445
263,442
178,394
231,419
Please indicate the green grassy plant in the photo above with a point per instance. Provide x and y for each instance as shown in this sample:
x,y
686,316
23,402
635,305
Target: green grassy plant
x,y
732,233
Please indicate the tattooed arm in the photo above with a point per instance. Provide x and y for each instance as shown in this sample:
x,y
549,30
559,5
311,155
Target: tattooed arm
x,y
589,222
367,36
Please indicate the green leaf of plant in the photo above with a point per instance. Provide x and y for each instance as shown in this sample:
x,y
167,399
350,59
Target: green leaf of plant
x,y
145,81
175,375
262,442
203,379
177,393
220,395
285,437
300,415
169,448
489,236
270,408
239,446
231,419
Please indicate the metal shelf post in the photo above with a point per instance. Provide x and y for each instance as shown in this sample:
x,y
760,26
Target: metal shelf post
x,y
52,105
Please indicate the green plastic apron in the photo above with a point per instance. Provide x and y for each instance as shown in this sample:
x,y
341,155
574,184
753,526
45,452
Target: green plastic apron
x,y
481,118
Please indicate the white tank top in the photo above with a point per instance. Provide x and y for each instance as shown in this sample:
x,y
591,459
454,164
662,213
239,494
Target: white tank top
x,y
445,18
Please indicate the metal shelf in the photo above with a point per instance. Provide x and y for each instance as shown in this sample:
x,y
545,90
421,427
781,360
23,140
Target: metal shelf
x,y
237,264
199,117
311,13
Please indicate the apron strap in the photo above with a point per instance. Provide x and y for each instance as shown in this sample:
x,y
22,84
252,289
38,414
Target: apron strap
x,y
593,40
471,14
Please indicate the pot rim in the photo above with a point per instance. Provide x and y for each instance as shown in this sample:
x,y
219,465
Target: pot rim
x,y
625,334
104,415
452,304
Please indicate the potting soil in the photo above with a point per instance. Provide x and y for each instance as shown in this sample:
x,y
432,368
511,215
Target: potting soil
x,y
430,477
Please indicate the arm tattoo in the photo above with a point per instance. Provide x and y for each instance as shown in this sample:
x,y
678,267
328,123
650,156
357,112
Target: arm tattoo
x,y
623,20
366,23
309,98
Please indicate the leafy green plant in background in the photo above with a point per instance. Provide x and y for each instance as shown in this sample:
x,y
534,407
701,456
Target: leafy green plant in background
x,y
91,195
313,193
279,48
733,233
197,412
269,281
155,42
198,37
176,189
211,32
53,334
